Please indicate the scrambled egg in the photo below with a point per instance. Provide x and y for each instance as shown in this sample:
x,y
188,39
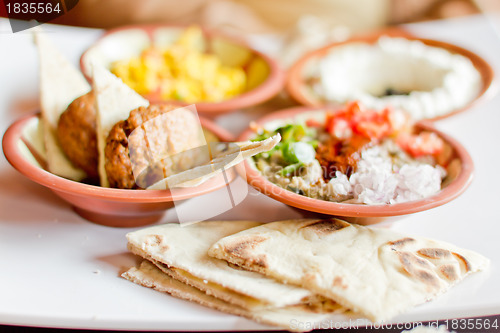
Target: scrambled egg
x,y
182,72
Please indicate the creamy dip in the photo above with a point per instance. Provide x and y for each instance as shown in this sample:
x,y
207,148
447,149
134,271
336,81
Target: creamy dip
x,y
425,81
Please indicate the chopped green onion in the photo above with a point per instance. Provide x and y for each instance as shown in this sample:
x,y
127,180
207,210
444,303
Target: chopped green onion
x,y
295,152
313,143
289,169
286,132
299,132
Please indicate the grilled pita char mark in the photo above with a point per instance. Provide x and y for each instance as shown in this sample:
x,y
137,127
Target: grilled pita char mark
x,y
435,253
158,241
425,265
428,262
401,242
327,226
242,250
450,272
463,261
419,268
339,282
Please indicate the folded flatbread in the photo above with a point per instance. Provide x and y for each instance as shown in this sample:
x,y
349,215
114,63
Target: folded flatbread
x,y
114,101
375,272
148,275
60,84
181,252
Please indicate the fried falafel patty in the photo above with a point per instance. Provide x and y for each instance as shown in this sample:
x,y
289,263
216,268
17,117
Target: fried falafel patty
x,y
148,136
76,131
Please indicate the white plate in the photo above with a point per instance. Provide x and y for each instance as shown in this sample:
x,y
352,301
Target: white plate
x,y
58,270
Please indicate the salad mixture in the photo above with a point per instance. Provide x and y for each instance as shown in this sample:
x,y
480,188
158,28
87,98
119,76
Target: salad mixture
x,y
354,155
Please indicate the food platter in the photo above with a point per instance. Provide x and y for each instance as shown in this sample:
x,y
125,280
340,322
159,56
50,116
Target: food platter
x,y
64,256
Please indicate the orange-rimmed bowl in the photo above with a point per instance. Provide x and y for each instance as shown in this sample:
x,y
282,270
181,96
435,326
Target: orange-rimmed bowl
x,y
106,206
266,77
460,169
298,82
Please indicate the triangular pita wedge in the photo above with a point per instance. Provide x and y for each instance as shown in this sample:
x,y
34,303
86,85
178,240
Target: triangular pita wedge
x,y
114,101
375,272
183,250
148,275
33,134
60,84
238,152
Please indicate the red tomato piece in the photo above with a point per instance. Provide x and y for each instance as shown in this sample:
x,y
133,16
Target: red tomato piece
x,y
372,124
313,123
373,130
425,143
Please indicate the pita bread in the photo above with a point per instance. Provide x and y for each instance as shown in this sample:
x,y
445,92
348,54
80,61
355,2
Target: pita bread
x,y
114,101
60,84
183,249
223,160
350,263
150,276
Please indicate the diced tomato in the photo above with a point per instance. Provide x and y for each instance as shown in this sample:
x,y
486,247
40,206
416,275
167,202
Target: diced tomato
x,y
372,124
340,128
330,121
399,121
373,130
425,143
313,123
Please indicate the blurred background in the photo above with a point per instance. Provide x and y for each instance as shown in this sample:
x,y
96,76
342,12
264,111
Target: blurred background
x,y
258,16
302,24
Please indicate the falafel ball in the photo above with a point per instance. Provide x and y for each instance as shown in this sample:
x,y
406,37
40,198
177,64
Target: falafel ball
x,y
76,131
167,135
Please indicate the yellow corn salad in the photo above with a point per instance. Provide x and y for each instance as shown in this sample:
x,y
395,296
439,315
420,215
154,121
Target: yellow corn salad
x,y
182,72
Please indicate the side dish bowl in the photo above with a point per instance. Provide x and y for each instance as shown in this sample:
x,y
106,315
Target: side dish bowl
x,y
265,78
459,178
106,206
300,79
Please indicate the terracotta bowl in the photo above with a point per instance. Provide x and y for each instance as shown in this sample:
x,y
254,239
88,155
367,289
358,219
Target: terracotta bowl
x,y
460,172
106,206
299,89
266,76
